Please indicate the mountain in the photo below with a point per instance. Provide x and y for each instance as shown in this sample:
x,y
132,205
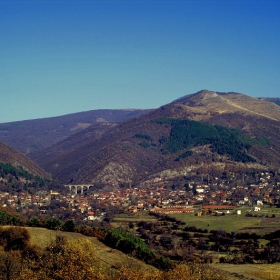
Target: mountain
x,y
199,133
271,99
13,157
34,135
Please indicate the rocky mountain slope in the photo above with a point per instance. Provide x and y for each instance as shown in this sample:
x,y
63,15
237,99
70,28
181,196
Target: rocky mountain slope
x,y
181,138
35,135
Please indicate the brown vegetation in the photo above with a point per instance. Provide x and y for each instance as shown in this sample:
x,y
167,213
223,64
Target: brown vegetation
x,y
29,136
76,260
15,158
135,150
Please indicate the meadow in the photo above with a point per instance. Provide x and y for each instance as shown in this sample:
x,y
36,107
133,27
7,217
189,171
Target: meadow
x,y
260,222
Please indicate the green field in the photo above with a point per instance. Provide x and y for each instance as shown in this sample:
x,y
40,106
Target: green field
x,y
123,219
260,222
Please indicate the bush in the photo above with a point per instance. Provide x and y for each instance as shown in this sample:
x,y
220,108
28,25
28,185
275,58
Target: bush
x,y
53,223
14,238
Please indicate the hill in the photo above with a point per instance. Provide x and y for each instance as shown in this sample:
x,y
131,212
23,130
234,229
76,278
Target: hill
x,y
43,237
270,99
239,133
33,135
17,162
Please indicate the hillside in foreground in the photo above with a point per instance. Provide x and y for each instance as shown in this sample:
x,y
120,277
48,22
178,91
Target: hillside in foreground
x,y
51,254
77,258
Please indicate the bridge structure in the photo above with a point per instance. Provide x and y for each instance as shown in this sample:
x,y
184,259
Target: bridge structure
x,y
75,188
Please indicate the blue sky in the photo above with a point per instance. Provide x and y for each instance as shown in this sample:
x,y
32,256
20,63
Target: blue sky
x,y
60,57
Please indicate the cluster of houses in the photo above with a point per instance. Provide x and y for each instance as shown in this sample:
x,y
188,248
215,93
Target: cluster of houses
x,y
24,199
155,198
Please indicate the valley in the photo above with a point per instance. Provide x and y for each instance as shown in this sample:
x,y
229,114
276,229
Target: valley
x,y
195,181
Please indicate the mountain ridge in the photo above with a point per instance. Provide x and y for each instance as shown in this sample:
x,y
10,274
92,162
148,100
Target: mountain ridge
x,y
30,136
134,151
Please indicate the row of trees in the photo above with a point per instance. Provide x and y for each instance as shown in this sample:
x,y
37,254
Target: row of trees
x,y
130,244
52,223
8,217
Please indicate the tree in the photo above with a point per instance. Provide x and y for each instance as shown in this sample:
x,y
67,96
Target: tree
x,y
194,189
33,222
14,238
53,223
69,226
65,259
187,186
9,265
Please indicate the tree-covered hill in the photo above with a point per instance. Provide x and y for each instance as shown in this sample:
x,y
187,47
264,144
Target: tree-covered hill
x,y
13,157
207,129
186,134
14,179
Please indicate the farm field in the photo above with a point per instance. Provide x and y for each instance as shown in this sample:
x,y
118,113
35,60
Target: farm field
x,y
231,222
260,222
126,218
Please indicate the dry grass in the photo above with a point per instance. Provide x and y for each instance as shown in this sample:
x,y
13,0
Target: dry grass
x,y
250,271
114,258
43,237
266,272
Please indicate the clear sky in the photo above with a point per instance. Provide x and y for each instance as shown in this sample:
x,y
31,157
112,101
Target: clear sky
x,y
60,57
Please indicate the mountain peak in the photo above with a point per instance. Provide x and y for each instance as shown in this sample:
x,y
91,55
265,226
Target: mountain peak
x,y
204,93
201,98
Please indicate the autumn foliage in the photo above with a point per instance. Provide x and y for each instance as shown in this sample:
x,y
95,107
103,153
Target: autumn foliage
x,y
76,260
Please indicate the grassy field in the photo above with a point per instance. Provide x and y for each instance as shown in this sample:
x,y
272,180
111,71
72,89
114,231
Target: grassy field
x,y
228,222
261,224
122,220
251,272
144,216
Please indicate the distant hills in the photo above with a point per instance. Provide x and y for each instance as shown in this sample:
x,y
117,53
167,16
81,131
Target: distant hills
x,y
196,134
34,135
274,100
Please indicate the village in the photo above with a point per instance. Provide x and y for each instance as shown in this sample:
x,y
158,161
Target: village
x,y
216,197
